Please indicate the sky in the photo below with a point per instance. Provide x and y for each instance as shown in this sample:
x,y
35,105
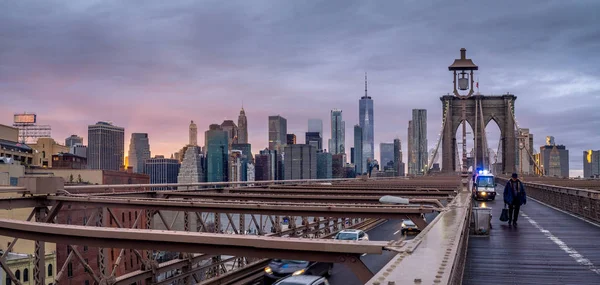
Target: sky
x,y
152,66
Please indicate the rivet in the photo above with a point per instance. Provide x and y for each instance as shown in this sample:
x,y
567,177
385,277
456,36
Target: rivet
x,y
376,283
438,276
437,281
391,282
417,280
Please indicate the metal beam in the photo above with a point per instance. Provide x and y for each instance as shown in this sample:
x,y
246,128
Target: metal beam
x,y
22,202
218,244
302,209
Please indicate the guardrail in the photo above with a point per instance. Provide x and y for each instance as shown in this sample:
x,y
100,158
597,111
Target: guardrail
x,y
582,202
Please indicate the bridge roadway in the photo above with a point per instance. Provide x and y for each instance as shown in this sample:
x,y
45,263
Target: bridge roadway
x,y
548,247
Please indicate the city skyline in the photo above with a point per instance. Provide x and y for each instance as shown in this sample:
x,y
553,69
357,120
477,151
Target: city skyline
x,y
73,81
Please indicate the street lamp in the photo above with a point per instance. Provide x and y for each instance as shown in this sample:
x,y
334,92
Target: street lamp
x,y
462,69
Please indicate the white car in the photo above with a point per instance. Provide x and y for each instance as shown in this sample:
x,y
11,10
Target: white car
x,y
409,226
352,235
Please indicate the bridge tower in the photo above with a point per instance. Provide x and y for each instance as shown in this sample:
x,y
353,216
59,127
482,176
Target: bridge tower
x,y
478,111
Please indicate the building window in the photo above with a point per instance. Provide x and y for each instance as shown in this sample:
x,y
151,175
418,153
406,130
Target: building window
x,y
123,218
25,275
8,281
18,274
85,268
112,254
130,216
87,282
85,248
70,269
68,220
84,220
50,270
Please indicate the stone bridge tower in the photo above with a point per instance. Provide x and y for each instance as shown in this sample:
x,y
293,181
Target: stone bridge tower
x,y
459,108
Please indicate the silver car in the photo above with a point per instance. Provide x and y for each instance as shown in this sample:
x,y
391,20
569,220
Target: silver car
x,y
303,280
352,235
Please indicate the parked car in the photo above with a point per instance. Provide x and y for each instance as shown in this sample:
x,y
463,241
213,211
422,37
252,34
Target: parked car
x,y
409,226
303,280
281,268
352,235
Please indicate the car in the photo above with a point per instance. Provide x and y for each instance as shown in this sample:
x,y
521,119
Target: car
x,y
281,268
484,186
351,235
303,280
409,226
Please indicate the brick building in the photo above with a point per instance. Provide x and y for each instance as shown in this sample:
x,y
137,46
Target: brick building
x,y
79,215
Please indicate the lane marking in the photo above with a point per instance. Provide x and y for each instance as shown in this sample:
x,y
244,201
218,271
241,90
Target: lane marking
x,y
565,212
571,252
395,233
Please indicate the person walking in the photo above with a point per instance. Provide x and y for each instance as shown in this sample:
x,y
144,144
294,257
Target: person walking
x,y
514,197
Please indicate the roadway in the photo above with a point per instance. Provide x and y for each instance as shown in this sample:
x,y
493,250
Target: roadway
x,y
548,247
387,231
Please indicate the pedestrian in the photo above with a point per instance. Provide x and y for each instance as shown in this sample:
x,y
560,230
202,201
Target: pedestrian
x,y
514,197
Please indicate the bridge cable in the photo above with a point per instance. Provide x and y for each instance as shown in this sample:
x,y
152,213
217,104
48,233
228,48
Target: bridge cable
x,y
444,119
535,163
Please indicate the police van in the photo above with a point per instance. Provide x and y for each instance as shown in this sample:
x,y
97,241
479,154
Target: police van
x,y
484,186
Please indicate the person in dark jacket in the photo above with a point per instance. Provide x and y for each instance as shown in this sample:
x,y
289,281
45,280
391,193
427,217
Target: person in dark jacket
x,y
514,197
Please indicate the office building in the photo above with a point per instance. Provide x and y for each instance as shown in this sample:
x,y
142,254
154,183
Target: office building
x,y
250,172
79,150
193,134
555,160
386,153
591,164
237,166
242,127
106,146
314,139
67,160
217,153
419,153
139,152
268,165
232,131
398,164
337,141
277,133
352,155
246,149
367,123
164,170
11,148
300,162
338,166
324,165
315,126
550,140
358,152
44,149
192,169
73,140
291,139
410,160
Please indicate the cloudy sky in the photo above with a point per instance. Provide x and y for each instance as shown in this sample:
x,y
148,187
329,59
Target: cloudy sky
x,y
152,66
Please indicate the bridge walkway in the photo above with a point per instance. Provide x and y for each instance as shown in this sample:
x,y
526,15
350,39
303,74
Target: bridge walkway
x,y
548,247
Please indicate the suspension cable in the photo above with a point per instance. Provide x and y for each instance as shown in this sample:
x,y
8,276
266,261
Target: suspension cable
x,y
444,118
535,163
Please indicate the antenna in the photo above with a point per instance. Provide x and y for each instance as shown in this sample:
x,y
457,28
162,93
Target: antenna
x,y
365,84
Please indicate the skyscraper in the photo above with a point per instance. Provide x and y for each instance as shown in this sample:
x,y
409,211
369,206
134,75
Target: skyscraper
x,y
268,165
386,154
277,132
358,150
314,139
367,123
554,160
192,168
106,146
324,165
291,139
591,163
419,141
409,148
217,154
300,162
398,164
193,134
315,126
232,131
162,170
524,162
337,141
73,140
139,151
242,127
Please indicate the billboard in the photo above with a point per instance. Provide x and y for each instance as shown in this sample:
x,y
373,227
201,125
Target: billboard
x,y
25,119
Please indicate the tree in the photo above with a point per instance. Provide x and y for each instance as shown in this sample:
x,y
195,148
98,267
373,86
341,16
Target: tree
x,y
71,178
79,180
